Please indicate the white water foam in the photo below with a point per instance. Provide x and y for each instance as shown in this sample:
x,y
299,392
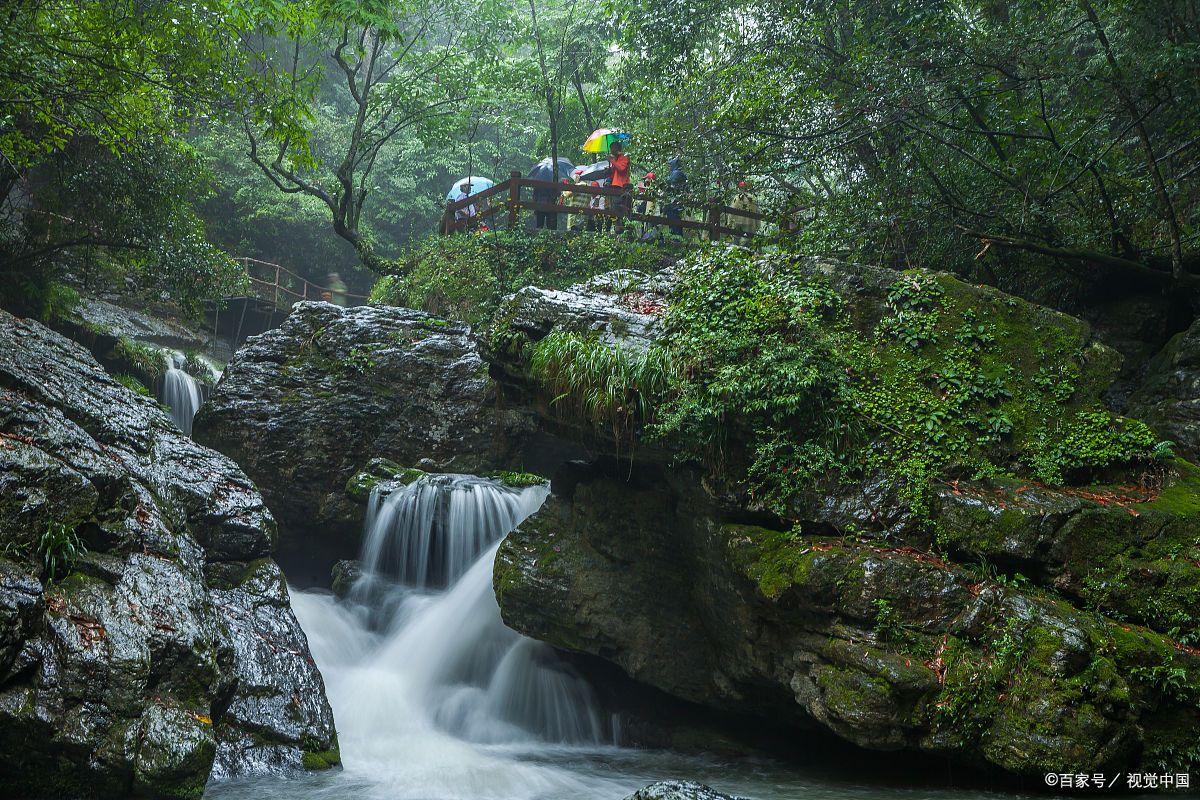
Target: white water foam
x,y
433,696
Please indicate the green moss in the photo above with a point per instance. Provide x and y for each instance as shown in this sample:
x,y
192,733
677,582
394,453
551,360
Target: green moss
x,y
518,480
315,761
776,375
360,484
133,384
848,692
1181,495
775,560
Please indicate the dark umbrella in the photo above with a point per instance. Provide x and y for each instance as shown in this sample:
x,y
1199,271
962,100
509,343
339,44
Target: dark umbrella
x,y
600,171
544,169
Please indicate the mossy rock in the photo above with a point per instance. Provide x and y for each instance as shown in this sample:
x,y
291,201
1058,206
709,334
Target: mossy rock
x,y
1129,551
377,470
320,760
519,480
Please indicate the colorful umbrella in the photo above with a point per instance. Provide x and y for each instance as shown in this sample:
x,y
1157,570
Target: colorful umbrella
x,y
460,188
601,140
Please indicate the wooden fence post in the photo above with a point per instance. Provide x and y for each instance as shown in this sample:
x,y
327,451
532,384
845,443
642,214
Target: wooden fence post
x,y
514,198
447,219
275,289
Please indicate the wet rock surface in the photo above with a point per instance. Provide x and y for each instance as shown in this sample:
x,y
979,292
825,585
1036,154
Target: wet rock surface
x,y
146,633
303,408
1169,396
888,646
894,639
678,790
109,319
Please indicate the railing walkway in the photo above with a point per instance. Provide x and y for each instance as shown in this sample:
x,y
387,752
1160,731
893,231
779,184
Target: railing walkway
x,y
273,290
283,288
506,198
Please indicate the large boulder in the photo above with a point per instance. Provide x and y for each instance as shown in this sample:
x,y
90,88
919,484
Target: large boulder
x,y
147,634
304,407
1169,396
886,645
1005,623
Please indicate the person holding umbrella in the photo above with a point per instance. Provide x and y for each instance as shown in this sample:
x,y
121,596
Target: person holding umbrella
x,y
620,180
544,171
608,140
461,190
677,186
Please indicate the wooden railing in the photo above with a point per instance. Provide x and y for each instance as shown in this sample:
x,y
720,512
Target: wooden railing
x,y
283,288
505,198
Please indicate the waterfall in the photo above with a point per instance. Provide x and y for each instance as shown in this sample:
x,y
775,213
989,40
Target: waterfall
x,y
426,682
181,392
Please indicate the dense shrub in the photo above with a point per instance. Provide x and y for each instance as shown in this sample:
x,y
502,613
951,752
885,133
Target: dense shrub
x,y
945,385
463,277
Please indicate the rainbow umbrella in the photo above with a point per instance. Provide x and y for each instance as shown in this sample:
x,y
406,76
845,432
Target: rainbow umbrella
x,y
601,140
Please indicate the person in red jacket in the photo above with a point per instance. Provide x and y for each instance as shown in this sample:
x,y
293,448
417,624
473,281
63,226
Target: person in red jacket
x,y
620,179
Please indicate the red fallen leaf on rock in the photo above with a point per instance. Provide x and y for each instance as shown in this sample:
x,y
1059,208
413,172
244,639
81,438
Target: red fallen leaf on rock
x,y
18,437
90,630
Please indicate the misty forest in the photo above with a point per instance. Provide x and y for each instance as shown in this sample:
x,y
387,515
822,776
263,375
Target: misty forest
x,y
599,399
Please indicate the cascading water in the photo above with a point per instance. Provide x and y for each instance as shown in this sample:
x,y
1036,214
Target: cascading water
x,y
181,392
434,697
436,700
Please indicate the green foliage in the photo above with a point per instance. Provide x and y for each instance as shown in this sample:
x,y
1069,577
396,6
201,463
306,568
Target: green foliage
x,y
1050,131
133,384
359,360
888,626
603,384
58,548
464,277
1088,441
100,70
93,98
138,357
197,367
951,381
759,357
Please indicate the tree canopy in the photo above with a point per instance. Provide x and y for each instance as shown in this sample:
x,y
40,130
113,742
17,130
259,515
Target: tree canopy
x,y
970,136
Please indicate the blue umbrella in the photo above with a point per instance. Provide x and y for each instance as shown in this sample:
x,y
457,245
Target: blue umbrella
x,y
467,186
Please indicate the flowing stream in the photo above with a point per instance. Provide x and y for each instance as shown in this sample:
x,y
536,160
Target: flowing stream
x,y
435,699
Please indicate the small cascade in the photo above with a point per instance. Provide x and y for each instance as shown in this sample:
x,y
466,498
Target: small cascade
x,y
422,673
180,391
428,534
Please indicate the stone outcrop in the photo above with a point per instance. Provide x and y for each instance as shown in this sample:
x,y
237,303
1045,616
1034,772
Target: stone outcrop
x,y
104,319
147,636
1169,396
886,645
678,790
892,638
304,407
